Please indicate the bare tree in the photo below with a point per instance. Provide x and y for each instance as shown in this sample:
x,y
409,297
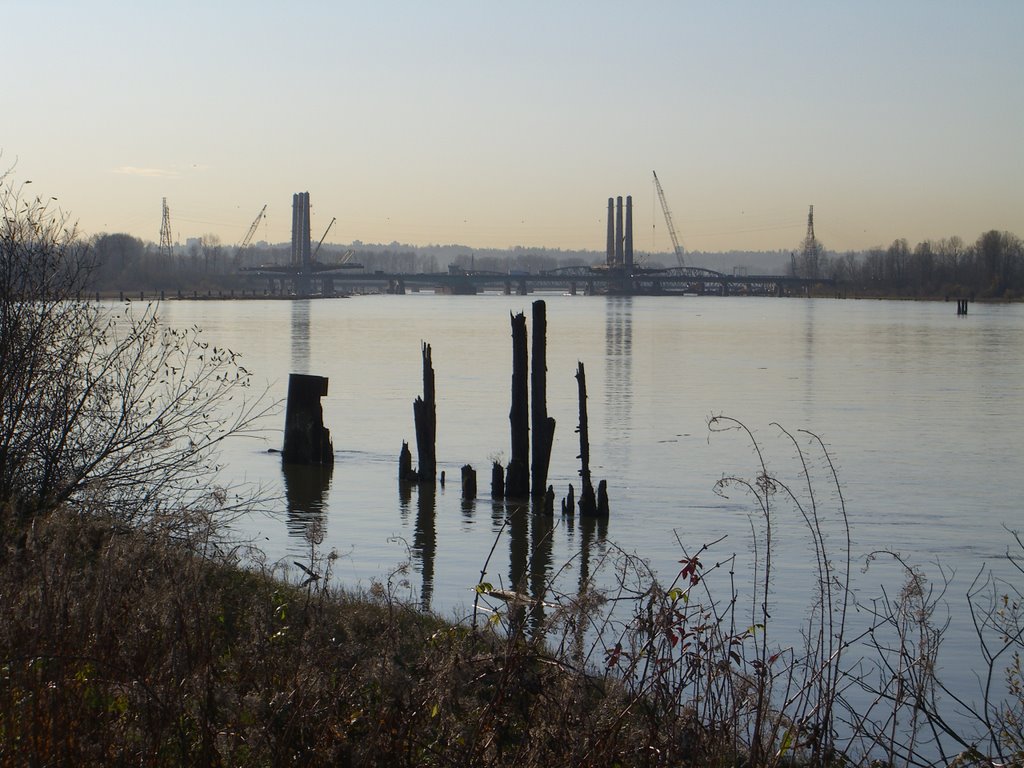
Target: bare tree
x,y
101,408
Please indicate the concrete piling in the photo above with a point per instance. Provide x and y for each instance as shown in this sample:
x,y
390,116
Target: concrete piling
x,y
306,440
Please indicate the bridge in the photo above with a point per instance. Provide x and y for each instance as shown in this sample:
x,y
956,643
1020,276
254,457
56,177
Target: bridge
x,y
619,275
574,280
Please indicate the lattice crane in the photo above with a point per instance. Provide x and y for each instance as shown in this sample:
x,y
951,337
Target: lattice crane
x,y
668,221
252,229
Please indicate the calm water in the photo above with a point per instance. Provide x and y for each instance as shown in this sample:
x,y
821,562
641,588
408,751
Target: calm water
x,y
922,412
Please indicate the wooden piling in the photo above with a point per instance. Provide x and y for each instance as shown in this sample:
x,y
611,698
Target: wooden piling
x,y
543,425
548,507
517,479
588,503
497,481
602,499
425,415
569,503
306,440
468,482
406,474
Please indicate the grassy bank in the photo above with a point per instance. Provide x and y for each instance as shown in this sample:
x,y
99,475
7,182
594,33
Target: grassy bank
x,y
123,647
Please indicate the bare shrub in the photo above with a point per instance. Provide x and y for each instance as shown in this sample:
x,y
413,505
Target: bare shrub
x,y
102,408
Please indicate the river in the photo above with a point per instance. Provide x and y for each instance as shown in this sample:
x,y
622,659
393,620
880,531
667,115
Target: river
x,y
921,411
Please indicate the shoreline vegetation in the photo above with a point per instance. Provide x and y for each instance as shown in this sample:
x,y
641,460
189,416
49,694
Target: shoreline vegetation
x,y
149,297
991,267
149,643
125,647
137,632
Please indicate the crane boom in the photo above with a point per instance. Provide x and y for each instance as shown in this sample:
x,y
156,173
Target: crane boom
x,y
334,219
252,230
668,221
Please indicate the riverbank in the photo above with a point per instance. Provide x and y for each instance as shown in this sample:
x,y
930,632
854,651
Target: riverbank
x,y
123,646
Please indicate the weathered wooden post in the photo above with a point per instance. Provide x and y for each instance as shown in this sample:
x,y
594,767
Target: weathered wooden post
x,y
517,479
569,503
425,415
468,482
588,504
306,440
497,481
406,474
543,425
602,499
548,506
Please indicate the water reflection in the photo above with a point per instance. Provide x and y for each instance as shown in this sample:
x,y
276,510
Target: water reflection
x,y
593,530
424,541
305,490
542,528
809,351
618,351
468,510
404,499
300,335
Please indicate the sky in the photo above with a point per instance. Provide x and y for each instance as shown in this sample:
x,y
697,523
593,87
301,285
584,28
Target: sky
x,y
496,125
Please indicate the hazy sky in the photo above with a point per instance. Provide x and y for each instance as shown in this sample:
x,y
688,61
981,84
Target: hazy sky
x,y
501,124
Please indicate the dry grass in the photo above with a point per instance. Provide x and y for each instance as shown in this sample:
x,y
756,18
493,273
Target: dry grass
x,y
122,647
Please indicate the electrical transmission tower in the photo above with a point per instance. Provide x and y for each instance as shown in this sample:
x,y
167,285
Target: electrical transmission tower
x,y
810,256
165,232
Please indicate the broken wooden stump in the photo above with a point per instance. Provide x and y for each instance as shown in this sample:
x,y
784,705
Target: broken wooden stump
x,y
602,499
425,416
548,506
306,439
543,425
569,503
406,474
468,482
497,481
517,479
588,503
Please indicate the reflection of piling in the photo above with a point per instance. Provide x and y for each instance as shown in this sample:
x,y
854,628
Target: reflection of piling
x,y
425,541
517,480
306,440
541,529
305,490
519,556
425,415
543,425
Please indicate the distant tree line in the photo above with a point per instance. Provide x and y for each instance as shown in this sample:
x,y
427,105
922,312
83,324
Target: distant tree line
x,y
991,267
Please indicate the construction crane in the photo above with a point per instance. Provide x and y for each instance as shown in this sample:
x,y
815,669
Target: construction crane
x,y
668,221
252,230
313,257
